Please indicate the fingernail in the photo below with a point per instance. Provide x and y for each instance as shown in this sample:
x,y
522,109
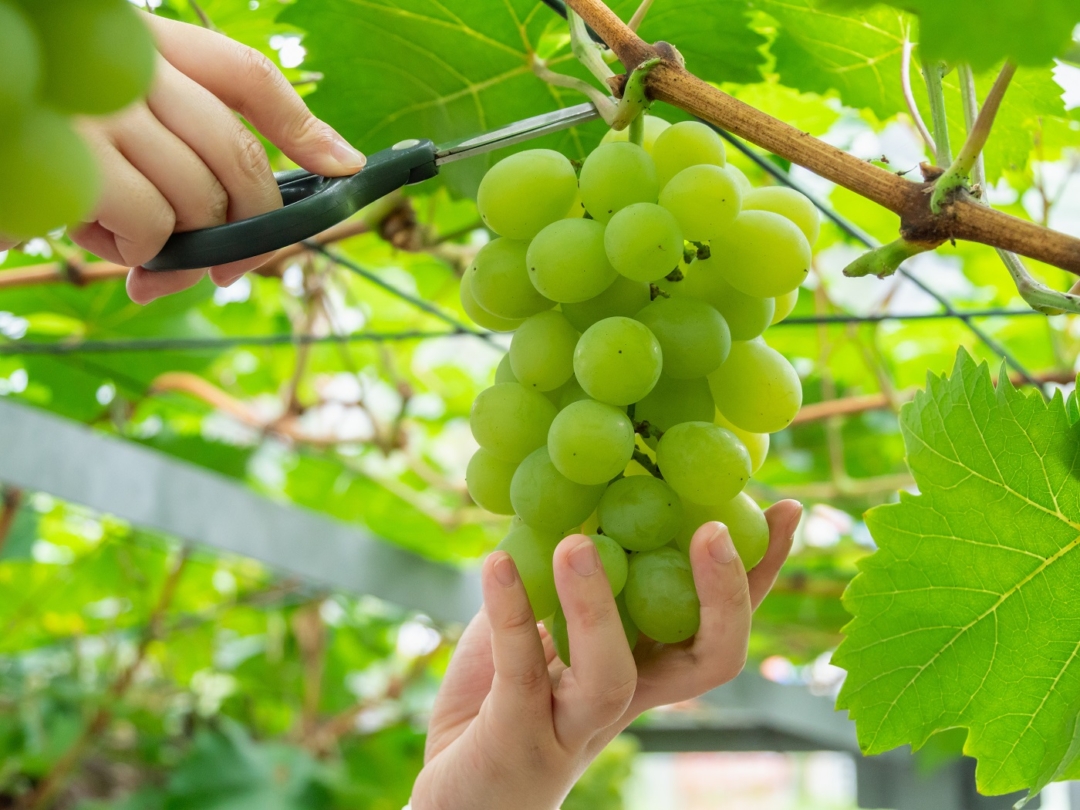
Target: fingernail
x,y
505,570
584,559
346,154
721,548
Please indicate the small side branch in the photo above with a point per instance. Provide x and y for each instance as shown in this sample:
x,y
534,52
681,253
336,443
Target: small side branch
x,y
932,73
885,260
909,97
647,463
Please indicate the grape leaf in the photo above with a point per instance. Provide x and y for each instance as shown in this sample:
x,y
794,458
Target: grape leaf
x,y
968,615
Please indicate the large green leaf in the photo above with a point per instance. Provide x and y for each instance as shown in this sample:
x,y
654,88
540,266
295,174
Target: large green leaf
x,y
968,615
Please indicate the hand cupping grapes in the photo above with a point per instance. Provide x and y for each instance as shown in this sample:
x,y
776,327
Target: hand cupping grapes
x,y
638,394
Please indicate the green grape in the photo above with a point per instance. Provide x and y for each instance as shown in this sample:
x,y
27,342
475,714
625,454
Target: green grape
x,y
745,186
524,193
653,127
746,316
629,628
560,634
757,388
756,444
477,314
660,595
570,393
510,421
20,62
533,553
686,144
784,305
99,55
542,351
643,242
640,512
745,522
764,254
614,176
500,281
488,479
703,462
704,199
673,401
613,559
787,202
50,177
617,361
693,336
590,442
547,499
504,372
567,262
624,297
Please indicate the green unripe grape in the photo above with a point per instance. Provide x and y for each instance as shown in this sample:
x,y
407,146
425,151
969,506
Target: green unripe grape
x,y
20,62
643,242
504,373
524,193
590,442
618,361
745,522
756,444
500,281
660,595
624,297
567,262
693,336
764,254
673,401
533,552
488,479
542,351
789,203
477,314
99,55
743,182
704,199
784,305
510,421
560,634
746,316
613,559
653,127
547,499
614,176
640,512
703,462
756,388
686,144
50,177
570,393
629,628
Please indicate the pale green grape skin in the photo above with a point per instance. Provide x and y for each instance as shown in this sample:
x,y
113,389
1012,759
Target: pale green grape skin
x,y
510,421
746,316
542,351
785,304
703,462
53,171
488,479
567,262
757,388
673,401
614,176
524,193
640,512
624,297
693,336
480,316
643,242
533,552
590,442
629,628
20,62
789,203
745,523
504,372
743,182
617,361
686,144
756,444
660,595
570,393
500,281
547,499
99,55
704,199
613,559
764,254
653,127
560,634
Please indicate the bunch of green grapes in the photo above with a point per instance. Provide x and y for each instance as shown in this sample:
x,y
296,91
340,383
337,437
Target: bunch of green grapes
x,y
60,58
638,394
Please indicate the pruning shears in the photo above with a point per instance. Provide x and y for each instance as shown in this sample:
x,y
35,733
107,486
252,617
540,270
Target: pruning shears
x,y
314,203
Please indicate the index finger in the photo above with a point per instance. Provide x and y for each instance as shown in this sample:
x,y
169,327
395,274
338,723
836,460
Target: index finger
x,y
783,518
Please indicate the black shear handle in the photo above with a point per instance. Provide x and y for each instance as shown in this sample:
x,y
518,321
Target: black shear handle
x,y
312,204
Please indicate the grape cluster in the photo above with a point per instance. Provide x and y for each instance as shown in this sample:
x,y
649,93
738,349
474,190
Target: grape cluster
x,y
638,395
60,58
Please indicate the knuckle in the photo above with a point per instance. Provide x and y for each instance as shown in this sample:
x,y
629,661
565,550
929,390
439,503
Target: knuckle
x,y
532,678
611,701
256,68
217,203
738,598
306,128
251,158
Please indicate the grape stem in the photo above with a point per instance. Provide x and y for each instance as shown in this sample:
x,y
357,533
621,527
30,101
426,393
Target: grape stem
x,y
635,101
648,464
885,260
648,431
655,292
